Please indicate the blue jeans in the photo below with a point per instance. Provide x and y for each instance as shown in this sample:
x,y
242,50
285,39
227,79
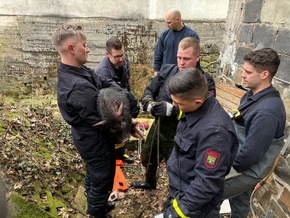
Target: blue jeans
x,y
99,182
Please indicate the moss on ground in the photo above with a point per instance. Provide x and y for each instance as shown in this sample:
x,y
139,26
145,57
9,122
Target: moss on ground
x,y
25,209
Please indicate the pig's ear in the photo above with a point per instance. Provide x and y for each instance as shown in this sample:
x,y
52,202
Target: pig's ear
x,y
120,110
100,124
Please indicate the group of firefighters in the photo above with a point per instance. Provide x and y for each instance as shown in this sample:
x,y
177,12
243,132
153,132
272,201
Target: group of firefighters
x,y
199,141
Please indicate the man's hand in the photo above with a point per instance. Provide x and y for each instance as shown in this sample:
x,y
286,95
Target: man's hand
x,y
136,131
162,109
147,103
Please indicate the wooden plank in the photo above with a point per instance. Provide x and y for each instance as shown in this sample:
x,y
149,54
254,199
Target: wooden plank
x,y
228,96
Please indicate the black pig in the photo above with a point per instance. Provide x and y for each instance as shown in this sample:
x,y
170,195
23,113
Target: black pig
x,y
114,110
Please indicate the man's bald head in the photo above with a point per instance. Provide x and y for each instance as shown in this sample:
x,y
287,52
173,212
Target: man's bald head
x,y
173,19
174,13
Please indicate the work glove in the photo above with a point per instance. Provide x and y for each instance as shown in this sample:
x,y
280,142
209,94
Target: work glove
x,y
162,109
147,103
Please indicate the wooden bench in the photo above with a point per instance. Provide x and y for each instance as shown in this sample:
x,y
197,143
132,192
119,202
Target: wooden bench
x,y
228,96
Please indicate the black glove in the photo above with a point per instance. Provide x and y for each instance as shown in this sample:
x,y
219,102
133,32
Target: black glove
x,y
147,103
162,109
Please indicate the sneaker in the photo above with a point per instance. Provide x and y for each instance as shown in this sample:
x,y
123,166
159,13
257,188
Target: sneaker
x,y
127,159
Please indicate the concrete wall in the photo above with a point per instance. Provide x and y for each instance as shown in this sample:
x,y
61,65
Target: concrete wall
x,y
26,26
117,9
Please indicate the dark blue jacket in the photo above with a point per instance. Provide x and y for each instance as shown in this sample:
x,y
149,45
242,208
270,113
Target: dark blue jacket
x,y
77,92
167,46
157,91
263,123
205,146
121,75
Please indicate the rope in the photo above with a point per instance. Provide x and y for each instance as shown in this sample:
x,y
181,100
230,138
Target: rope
x,y
139,148
156,128
158,145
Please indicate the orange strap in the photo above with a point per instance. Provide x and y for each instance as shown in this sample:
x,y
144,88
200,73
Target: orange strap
x,y
120,182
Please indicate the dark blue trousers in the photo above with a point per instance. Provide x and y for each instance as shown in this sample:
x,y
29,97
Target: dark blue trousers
x,y
99,183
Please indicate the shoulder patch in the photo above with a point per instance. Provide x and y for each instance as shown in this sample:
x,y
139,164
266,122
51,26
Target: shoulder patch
x,y
211,159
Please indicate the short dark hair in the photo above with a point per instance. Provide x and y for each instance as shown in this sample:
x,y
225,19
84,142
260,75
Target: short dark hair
x,y
264,59
113,43
189,83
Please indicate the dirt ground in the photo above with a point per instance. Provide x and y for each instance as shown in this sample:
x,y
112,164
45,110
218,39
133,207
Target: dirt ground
x,y
137,203
141,203
40,163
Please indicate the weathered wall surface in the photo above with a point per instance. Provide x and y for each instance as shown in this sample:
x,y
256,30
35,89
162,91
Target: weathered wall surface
x,y
255,24
25,32
119,9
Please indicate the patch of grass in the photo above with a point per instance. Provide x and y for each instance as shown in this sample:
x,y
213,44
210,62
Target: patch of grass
x,y
26,209
45,199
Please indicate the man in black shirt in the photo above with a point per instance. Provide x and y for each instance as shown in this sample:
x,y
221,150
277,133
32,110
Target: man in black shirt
x,y
77,93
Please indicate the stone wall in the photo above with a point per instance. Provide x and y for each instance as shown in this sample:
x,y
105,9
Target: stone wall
x,y
28,56
253,24
122,9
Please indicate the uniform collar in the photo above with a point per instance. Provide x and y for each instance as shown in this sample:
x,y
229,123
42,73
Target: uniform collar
x,y
114,67
193,117
82,71
255,97
248,99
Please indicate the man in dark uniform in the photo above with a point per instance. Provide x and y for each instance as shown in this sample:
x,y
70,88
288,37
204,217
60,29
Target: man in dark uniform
x,y
260,129
205,146
77,92
115,66
156,99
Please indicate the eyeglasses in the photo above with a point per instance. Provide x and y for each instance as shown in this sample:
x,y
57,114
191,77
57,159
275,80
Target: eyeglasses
x,y
117,57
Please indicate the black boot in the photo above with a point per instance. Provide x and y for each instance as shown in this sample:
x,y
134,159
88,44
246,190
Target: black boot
x,y
143,185
127,159
100,216
110,206
150,182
